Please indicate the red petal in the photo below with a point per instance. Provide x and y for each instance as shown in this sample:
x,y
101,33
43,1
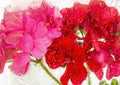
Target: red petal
x,y
79,74
95,67
66,76
67,42
113,70
75,72
99,74
78,54
55,60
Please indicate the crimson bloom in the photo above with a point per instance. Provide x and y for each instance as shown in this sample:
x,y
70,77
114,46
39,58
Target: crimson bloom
x,y
101,24
66,51
97,46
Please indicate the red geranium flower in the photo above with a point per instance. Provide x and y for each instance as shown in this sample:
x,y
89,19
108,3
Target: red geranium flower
x,y
102,24
100,42
65,50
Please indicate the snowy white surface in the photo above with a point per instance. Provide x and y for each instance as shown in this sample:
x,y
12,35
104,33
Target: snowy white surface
x,y
36,76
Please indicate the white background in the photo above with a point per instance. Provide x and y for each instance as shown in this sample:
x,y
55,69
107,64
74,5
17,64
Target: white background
x,y
36,76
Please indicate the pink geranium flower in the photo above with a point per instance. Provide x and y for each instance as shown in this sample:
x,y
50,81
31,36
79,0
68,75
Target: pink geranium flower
x,y
28,33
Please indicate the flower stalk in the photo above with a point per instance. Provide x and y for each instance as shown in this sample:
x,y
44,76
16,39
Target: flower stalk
x,y
89,80
44,68
48,72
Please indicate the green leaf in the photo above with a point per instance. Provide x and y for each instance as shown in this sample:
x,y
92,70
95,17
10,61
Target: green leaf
x,y
114,82
103,83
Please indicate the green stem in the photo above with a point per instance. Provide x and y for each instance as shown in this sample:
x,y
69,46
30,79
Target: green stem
x,y
44,68
48,72
89,80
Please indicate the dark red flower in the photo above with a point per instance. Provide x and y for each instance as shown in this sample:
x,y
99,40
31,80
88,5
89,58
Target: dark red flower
x,y
58,52
98,46
65,50
100,42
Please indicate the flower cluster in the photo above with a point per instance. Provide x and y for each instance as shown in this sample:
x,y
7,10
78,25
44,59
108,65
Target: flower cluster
x,y
86,36
27,33
90,35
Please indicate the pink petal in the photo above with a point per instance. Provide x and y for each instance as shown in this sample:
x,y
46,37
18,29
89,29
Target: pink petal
x,y
9,53
2,63
26,44
30,24
38,53
43,41
54,33
40,30
13,37
40,47
2,35
57,13
101,56
21,64
13,20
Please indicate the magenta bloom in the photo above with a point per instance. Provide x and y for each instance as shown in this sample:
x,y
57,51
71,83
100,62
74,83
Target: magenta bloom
x,y
26,33
43,26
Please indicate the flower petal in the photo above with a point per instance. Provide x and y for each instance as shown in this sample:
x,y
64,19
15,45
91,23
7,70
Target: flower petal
x,y
66,76
13,21
39,52
79,74
113,70
13,37
41,30
26,44
21,64
54,33
29,25
2,63
95,67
